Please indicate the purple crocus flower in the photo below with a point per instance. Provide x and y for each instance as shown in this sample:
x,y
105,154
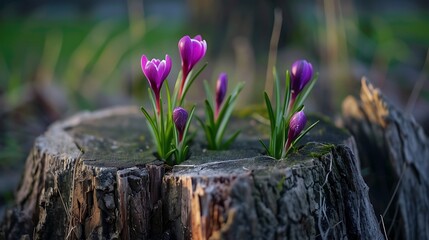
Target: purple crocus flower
x,y
192,50
296,125
156,71
221,87
180,117
301,74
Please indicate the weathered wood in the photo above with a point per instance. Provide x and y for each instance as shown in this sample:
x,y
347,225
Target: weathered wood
x,y
94,177
394,151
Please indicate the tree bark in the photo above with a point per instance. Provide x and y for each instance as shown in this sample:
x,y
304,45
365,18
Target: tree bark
x,y
94,176
395,153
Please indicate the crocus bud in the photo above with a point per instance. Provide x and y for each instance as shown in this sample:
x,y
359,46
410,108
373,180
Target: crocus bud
x,y
180,117
191,50
221,87
156,71
296,125
301,74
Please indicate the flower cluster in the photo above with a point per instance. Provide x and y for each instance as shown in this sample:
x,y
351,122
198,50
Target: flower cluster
x,y
287,119
169,126
217,120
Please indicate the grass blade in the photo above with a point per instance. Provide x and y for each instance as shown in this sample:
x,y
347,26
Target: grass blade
x,y
208,133
209,113
226,113
277,94
189,83
265,146
188,123
270,111
230,140
286,109
208,91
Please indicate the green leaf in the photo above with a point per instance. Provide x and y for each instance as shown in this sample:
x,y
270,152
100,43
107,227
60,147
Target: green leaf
x,y
277,95
230,140
224,121
223,111
150,120
168,154
176,88
162,133
169,133
152,100
153,127
169,103
184,154
189,83
287,95
265,146
279,144
188,123
209,113
208,133
209,94
176,137
270,112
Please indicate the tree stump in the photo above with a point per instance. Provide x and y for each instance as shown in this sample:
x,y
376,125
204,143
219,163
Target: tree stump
x,y
395,153
94,176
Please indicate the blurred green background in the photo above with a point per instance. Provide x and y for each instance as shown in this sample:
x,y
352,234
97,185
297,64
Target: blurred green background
x,y
61,57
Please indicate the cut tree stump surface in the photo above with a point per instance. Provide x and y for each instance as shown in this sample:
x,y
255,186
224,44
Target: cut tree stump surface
x,y
94,176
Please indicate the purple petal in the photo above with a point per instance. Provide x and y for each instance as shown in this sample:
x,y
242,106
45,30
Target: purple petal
x,y
221,87
185,50
296,125
301,74
143,62
151,73
161,70
180,117
167,66
156,61
198,38
197,52
203,48
307,72
204,43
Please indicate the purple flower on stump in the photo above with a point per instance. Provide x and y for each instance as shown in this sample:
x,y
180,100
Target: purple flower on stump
x,y
221,87
301,74
180,117
191,50
156,71
296,125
